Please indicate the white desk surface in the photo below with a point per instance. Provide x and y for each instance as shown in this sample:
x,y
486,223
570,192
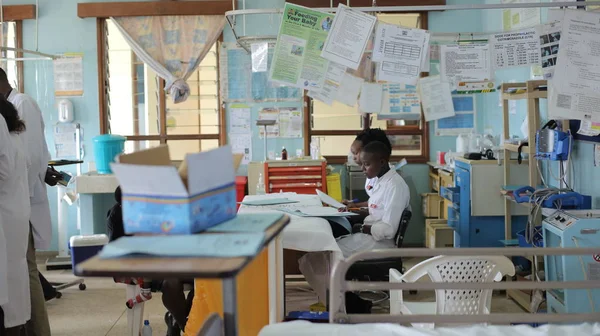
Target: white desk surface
x,y
308,234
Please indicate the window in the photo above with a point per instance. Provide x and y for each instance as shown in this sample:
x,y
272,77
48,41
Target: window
x,y
12,38
137,107
336,126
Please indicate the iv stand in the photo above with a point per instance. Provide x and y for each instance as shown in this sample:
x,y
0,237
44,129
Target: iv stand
x,y
265,123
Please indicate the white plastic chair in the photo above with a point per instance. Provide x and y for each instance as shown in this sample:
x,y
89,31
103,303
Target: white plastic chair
x,y
451,269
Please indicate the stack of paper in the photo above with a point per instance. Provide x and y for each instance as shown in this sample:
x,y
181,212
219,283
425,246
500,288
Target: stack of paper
x,y
269,201
248,222
329,200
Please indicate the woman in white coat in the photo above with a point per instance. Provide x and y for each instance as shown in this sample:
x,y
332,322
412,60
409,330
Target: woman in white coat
x,y
15,211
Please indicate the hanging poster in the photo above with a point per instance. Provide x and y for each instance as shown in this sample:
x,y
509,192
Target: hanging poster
x,y
465,63
333,79
514,49
242,144
297,59
519,18
239,119
290,122
68,75
464,119
436,98
400,102
549,35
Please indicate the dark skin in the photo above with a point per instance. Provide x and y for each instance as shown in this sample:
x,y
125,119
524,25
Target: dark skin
x,y
4,87
373,165
355,149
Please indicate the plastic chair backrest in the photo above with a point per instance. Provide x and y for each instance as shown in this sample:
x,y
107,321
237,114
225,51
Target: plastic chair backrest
x,y
462,269
404,221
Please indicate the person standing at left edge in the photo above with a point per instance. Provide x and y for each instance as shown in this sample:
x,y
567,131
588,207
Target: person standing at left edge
x,y
40,222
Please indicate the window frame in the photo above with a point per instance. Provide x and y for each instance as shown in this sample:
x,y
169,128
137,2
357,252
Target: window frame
x,y
163,137
423,131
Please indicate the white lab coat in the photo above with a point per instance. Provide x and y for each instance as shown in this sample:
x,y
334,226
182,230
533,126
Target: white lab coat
x,y
5,168
389,198
37,150
15,211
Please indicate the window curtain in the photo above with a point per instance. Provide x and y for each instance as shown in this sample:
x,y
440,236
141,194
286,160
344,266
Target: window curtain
x,y
173,46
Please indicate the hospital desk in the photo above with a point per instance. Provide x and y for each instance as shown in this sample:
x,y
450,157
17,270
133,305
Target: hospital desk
x,y
95,198
227,269
308,234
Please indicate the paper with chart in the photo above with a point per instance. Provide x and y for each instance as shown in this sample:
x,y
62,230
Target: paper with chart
x,y
242,144
514,49
464,119
329,200
400,101
297,59
575,88
239,119
371,98
68,75
333,78
549,35
290,122
349,90
65,140
519,18
465,63
436,98
349,36
400,52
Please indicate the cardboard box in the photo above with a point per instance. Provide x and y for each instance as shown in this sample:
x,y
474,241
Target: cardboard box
x,y
159,199
438,234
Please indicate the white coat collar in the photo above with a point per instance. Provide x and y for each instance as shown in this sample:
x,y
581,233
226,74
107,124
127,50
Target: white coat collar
x,y
12,95
386,177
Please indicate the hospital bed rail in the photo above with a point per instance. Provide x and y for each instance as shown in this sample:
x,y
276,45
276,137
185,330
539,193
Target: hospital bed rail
x,y
339,285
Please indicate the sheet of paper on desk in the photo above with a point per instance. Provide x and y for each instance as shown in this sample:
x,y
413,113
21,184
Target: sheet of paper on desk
x,y
316,211
329,200
248,222
227,245
269,201
343,221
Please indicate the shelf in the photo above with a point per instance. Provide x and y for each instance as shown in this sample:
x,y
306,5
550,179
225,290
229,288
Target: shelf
x,y
515,148
525,95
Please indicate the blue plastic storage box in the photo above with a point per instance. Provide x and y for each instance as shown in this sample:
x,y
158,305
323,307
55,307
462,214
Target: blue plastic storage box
x,y
106,148
85,247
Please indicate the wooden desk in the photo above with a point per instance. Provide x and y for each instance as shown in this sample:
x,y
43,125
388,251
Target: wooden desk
x,y
205,268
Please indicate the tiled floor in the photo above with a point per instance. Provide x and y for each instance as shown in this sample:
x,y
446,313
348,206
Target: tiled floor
x,y
100,309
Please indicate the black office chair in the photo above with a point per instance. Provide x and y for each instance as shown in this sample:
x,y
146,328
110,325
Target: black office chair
x,y
378,270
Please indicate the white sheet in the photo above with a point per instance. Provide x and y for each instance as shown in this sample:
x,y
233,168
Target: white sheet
x,y
302,328
308,234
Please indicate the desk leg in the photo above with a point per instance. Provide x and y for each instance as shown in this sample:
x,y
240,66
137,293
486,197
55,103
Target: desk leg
x,y
230,306
280,275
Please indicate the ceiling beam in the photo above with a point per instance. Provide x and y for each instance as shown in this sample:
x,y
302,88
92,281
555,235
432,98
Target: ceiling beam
x,y
153,8
368,3
18,12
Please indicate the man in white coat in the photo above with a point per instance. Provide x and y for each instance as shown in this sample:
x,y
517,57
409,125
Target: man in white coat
x,y
15,212
36,148
5,159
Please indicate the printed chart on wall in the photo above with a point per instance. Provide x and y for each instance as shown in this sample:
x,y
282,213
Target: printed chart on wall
x,y
465,63
65,140
514,49
269,113
575,89
297,59
519,18
240,131
549,43
463,121
290,122
240,83
400,102
68,75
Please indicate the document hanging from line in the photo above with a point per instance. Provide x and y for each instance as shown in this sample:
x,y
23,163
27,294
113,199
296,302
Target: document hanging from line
x,y
575,88
349,90
465,63
400,52
549,35
436,98
297,58
349,36
514,49
371,98
333,78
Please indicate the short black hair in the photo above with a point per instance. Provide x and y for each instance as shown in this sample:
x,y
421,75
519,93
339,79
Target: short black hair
x,y
10,114
3,76
374,134
378,148
118,196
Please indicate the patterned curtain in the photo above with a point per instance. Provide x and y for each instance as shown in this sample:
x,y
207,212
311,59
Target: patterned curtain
x,y
173,46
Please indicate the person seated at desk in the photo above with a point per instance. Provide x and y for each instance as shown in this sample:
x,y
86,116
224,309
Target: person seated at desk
x,y
173,296
362,139
389,198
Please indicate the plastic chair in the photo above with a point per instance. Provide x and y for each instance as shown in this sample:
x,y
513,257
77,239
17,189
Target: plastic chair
x,y
451,269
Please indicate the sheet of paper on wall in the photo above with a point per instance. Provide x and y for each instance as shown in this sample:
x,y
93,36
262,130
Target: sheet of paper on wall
x,y
465,63
68,75
349,36
436,98
65,140
290,122
519,18
260,56
400,52
349,90
475,87
297,58
515,49
588,128
549,36
234,69
371,98
333,78
269,113
400,101
596,155
239,119
575,87
242,144
464,119
426,64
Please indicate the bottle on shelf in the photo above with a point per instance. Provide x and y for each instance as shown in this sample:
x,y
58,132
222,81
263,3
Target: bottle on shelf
x,y
260,186
315,151
146,329
284,153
